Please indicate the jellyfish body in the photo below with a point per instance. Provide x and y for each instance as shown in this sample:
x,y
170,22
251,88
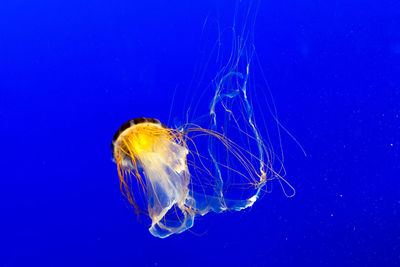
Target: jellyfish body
x,y
224,158
156,157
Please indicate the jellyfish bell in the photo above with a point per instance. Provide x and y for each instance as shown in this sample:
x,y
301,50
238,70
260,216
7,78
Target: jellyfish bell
x,y
156,157
143,131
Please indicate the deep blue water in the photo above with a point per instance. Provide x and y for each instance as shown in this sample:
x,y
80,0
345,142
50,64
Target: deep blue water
x,y
71,72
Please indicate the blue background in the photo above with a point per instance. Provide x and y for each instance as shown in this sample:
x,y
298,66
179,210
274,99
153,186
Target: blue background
x,y
71,72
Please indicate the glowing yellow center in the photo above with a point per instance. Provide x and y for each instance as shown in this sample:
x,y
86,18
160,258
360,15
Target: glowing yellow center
x,y
143,141
142,137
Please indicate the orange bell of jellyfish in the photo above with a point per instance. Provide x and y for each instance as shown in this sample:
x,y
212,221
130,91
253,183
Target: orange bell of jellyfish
x,y
156,157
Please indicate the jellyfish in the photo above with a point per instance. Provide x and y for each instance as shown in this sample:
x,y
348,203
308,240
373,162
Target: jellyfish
x,y
156,156
222,158
190,170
